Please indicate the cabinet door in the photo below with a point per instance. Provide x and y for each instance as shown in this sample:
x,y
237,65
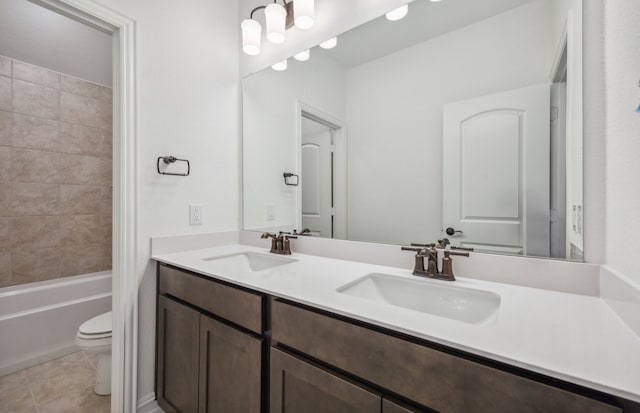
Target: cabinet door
x,y
297,386
230,369
178,345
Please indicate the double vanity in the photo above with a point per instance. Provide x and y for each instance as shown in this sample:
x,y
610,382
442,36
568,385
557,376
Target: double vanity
x,y
243,330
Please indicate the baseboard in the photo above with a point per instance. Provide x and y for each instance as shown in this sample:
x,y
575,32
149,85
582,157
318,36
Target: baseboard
x,y
622,295
148,404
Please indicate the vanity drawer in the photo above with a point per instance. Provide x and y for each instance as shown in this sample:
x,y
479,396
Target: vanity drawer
x,y
241,307
427,376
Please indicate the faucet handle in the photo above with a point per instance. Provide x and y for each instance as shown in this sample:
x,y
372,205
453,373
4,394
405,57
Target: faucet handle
x,y
448,253
453,247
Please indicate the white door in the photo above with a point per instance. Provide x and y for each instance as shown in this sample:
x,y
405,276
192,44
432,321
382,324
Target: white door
x,y
316,179
496,171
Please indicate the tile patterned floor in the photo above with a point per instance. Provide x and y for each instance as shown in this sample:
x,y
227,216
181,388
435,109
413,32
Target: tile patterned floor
x,y
64,385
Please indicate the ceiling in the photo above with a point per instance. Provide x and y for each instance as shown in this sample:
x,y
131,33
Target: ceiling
x,y
425,20
36,35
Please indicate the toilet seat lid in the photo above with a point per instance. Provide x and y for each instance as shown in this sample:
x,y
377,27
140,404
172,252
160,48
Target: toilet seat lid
x,y
101,324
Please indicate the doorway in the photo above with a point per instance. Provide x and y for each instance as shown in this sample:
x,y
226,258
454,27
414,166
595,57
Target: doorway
x,y
321,158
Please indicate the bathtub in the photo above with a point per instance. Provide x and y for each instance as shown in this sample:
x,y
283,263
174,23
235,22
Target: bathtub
x,y
39,321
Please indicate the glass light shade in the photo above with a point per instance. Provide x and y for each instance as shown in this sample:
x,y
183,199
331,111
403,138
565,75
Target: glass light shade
x,y
398,13
329,44
276,17
280,66
251,33
303,56
303,13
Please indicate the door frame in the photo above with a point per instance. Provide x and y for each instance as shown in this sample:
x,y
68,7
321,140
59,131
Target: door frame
x,y
125,280
339,129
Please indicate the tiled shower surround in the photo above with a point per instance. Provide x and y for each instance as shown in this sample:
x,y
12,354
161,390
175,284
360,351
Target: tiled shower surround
x,y
55,174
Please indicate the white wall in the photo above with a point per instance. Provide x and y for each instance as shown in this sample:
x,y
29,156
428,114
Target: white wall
x,y
269,147
394,114
33,34
332,17
188,106
622,74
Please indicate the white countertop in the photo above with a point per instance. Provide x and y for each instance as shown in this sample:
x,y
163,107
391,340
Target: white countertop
x,y
572,337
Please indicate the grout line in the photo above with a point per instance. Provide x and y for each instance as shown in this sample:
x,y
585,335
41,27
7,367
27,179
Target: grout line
x,y
88,359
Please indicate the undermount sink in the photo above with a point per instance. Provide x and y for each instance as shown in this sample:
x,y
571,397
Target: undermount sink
x,y
432,297
250,261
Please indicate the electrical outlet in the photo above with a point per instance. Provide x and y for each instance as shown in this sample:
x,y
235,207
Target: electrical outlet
x,y
271,212
195,214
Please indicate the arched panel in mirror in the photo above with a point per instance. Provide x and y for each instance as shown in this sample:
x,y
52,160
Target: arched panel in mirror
x,y
462,120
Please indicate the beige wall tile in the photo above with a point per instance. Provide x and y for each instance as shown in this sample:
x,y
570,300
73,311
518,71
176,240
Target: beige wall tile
x,y
35,100
85,110
5,198
106,93
34,264
107,201
34,232
5,269
35,133
106,145
80,170
105,230
80,140
36,74
79,229
5,234
81,87
6,163
80,199
85,258
5,66
29,165
5,93
106,171
34,199
6,119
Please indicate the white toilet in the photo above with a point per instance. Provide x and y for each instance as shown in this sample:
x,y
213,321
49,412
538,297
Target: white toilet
x,y
94,336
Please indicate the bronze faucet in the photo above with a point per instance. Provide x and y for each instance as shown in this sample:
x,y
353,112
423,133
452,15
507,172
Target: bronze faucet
x,y
280,243
430,251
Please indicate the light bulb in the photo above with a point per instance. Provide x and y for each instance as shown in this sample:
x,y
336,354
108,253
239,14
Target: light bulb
x,y
280,66
303,13
303,56
398,13
251,33
329,44
276,17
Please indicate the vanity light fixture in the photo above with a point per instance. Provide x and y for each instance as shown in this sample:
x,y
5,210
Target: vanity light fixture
x,y
278,18
303,56
329,44
280,66
398,13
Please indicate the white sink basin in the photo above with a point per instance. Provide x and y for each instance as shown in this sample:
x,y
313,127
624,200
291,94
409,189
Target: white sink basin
x,y
431,297
249,261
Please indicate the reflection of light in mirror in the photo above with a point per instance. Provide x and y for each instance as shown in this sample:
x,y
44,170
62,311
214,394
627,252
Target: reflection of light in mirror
x,y
251,32
398,13
303,14
329,44
280,66
303,56
276,16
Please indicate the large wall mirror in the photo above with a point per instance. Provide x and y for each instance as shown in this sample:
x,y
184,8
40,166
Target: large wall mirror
x,y
461,120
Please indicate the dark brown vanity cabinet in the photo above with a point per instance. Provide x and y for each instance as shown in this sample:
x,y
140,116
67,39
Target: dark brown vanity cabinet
x,y
414,371
206,364
298,386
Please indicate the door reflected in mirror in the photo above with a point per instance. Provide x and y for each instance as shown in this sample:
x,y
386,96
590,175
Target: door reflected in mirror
x,y
462,120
